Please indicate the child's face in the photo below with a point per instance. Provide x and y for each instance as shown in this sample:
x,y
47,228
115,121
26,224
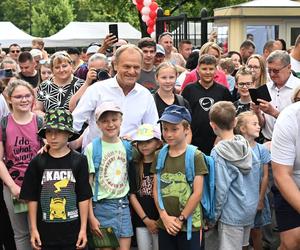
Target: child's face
x,y
244,82
251,128
174,134
21,99
166,79
57,139
207,73
110,123
46,73
149,147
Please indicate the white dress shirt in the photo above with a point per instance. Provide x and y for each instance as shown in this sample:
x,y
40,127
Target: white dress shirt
x,y
138,107
281,98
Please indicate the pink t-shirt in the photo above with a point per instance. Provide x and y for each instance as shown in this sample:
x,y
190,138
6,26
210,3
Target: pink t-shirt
x,y
21,146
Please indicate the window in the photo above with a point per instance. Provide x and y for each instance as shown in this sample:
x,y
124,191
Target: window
x,y
262,34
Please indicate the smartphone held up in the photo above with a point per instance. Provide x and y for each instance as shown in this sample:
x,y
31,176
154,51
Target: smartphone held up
x,y
113,30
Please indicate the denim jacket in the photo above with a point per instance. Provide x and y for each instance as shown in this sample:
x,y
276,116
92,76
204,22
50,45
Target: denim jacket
x,y
237,182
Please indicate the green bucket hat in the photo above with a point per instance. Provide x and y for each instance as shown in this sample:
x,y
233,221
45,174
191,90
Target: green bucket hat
x,y
60,119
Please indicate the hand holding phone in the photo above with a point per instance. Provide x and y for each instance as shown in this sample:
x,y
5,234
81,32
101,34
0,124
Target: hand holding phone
x,y
6,73
113,29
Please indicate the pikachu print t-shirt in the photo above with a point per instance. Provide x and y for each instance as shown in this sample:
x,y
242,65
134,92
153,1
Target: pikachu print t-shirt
x,y
113,176
58,197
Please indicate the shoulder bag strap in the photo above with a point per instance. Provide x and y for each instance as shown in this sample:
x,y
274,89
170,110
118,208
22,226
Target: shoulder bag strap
x,y
68,92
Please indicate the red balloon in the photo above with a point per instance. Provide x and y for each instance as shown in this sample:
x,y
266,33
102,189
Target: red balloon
x,y
139,6
152,14
150,30
140,2
151,22
153,6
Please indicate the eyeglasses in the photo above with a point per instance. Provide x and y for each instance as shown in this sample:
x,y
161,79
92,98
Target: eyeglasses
x,y
43,61
253,67
94,44
62,55
276,71
245,84
21,97
14,51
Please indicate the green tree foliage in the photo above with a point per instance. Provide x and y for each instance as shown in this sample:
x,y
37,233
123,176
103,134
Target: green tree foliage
x,y
48,17
17,12
106,11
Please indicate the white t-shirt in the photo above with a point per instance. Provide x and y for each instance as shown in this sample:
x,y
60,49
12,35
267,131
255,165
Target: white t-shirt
x,y
4,110
295,64
138,107
286,140
281,98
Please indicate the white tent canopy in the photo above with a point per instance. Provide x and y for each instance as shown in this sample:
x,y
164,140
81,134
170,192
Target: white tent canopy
x,y
9,34
81,34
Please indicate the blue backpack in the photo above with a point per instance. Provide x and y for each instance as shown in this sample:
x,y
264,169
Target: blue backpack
x,y
208,194
97,158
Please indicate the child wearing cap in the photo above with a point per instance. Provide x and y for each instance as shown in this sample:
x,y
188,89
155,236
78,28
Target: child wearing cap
x,y
180,200
57,189
109,178
145,214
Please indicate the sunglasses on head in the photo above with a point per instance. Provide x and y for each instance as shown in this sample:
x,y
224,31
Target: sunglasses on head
x,y
165,34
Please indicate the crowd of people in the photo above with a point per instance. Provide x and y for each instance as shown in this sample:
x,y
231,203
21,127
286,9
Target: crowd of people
x,y
128,138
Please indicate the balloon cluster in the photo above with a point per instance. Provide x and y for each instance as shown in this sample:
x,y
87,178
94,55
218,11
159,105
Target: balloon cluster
x,y
148,9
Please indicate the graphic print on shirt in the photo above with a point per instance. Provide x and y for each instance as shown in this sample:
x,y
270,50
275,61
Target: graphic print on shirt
x,y
113,175
58,198
176,185
146,186
23,154
206,103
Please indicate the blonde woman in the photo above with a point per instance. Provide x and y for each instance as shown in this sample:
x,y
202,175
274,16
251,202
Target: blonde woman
x,y
57,91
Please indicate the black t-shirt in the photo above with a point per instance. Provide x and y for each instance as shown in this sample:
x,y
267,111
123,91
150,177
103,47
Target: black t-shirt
x,y
32,80
201,100
144,194
161,105
57,184
147,79
241,107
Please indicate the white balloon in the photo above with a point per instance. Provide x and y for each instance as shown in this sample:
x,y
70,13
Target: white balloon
x,y
145,10
153,35
145,18
147,2
134,2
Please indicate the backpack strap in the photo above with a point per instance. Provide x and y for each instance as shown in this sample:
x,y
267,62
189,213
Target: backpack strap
x,y
159,167
4,121
208,194
128,147
190,176
180,100
39,122
97,158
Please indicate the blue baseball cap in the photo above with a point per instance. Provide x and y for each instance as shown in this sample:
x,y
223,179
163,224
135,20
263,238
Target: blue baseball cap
x,y
175,114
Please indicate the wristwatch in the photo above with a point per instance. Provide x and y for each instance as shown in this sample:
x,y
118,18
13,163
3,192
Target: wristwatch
x,y
181,218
